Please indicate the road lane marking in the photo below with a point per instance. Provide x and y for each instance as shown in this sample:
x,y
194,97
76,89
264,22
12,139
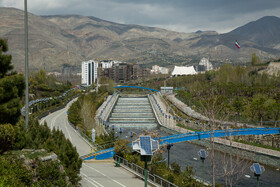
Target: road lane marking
x,y
67,130
54,119
63,110
117,182
95,183
91,146
95,170
90,182
105,175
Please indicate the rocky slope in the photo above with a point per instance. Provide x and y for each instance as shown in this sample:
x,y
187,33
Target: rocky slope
x,y
69,39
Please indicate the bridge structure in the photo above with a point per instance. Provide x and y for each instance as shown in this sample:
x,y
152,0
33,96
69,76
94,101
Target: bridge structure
x,y
138,87
178,138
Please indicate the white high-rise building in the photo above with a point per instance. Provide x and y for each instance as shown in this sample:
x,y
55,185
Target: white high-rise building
x,y
89,72
157,69
105,65
109,63
205,62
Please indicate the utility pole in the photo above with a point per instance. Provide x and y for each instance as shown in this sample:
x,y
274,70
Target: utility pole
x,y
26,65
203,154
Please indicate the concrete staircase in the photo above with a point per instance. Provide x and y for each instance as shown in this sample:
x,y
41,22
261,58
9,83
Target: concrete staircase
x,y
135,112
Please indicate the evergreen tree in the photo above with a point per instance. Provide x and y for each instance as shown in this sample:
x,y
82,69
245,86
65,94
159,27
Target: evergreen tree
x,y
11,88
14,173
7,136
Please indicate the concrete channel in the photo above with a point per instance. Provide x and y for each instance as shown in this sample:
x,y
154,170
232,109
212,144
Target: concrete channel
x,y
137,113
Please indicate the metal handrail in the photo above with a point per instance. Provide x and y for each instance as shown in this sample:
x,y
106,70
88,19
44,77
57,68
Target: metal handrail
x,y
157,110
105,112
139,171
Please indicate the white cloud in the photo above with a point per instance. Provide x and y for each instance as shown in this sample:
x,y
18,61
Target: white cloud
x,y
12,3
36,5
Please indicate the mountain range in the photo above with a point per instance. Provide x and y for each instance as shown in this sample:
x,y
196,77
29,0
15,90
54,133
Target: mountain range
x,y
56,41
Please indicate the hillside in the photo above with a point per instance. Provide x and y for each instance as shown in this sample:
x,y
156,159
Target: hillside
x,y
70,39
264,32
49,45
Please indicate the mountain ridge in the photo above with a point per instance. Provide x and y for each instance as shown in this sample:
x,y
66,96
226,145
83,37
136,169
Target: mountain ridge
x,y
56,40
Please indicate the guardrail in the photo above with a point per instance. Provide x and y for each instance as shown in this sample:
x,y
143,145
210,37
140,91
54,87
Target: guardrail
x,y
139,171
167,105
99,155
82,134
218,133
108,153
157,109
106,111
162,116
41,103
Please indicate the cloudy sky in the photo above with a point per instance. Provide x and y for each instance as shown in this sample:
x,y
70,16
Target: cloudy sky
x,y
177,15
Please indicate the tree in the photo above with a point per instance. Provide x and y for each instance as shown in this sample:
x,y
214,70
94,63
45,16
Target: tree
x,y
258,107
108,85
238,106
233,167
41,77
11,88
255,59
122,147
213,107
14,173
188,177
276,108
5,60
7,137
50,173
176,168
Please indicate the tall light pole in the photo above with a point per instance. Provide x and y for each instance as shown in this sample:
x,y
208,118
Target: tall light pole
x,y
26,65
258,170
145,145
203,154
168,156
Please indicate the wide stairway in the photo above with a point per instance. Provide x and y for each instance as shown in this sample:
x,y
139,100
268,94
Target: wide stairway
x,y
135,112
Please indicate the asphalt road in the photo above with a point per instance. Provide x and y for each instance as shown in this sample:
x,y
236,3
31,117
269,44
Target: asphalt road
x,y
101,174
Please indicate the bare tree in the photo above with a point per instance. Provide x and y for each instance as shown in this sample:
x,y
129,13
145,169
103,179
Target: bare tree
x,y
213,108
88,114
234,167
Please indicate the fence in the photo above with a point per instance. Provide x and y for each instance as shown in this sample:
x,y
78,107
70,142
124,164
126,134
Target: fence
x,y
139,171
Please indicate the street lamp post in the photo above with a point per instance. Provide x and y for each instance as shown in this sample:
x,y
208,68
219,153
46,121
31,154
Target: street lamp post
x,y
168,156
258,170
26,65
107,125
203,154
145,145
169,120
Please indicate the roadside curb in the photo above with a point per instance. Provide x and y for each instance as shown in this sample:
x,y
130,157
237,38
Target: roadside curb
x,y
99,161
